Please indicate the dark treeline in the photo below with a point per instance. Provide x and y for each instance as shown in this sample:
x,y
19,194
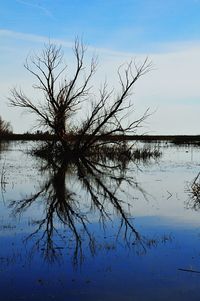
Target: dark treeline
x,y
178,139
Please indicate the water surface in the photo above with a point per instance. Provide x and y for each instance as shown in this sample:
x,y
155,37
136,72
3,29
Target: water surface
x,y
72,232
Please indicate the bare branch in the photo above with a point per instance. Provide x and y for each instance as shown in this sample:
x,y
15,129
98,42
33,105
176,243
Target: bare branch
x,y
63,96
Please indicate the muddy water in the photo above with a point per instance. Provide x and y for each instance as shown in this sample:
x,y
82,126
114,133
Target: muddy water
x,y
76,231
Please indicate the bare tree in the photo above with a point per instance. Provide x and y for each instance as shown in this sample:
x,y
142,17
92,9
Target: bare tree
x,y
63,97
5,127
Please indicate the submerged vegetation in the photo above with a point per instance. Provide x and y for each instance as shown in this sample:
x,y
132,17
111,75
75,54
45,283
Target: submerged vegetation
x,y
194,194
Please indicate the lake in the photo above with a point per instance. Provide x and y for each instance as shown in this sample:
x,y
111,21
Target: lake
x,y
90,230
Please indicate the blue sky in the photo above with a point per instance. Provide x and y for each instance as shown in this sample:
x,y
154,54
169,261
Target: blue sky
x,y
167,31
122,24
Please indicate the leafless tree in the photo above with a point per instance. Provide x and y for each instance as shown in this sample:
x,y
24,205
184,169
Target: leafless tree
x,y
5,127
64,96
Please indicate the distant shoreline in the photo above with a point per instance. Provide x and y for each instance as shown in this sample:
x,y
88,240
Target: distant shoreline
x,y
178,139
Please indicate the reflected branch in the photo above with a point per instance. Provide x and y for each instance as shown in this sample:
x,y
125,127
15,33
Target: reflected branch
x,y
64,208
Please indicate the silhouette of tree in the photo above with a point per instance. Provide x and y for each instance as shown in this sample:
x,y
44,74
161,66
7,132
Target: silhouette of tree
x,y
64,96
5,127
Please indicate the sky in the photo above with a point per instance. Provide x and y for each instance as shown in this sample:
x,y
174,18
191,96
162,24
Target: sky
x,y
168,32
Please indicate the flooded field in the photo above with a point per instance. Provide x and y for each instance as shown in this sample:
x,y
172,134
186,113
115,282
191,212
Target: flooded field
x,y
90,231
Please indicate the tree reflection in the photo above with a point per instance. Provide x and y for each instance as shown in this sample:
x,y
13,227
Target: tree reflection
x,y
3,148
74,194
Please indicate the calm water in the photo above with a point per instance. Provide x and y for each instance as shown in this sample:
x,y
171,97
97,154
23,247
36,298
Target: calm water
x,y
86,231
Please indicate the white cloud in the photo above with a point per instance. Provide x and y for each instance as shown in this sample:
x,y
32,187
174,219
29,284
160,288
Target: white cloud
x,y
4,33
36,6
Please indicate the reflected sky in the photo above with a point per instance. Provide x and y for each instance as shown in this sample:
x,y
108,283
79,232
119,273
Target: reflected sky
x,y
83,231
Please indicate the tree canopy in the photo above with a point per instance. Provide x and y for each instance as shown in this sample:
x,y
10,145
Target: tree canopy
x,y
63,95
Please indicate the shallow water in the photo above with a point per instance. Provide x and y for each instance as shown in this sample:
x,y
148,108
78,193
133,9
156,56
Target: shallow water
x,y
69,233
